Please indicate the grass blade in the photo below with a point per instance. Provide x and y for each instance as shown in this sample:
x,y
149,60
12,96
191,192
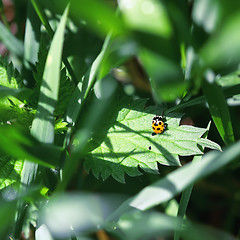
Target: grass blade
x,y
184,202
27,147
175,182
18,93
228,92
97,110
42,16
43,124
10,41
219,110
83,88
187,193
32,37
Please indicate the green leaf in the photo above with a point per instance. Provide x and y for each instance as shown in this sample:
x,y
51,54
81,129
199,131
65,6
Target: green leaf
x,y
43,123
219,110
231,84
40,10
189,103
9,76
175,182
10,170
18,93
229,80
12,95
105,90
38,73
187,192
122,144
227,40
166,76
149,225
99,17
148,16
206,14
204,142
27,147
178,180
82,90
32,37
66,90
7,215
14,45
66,86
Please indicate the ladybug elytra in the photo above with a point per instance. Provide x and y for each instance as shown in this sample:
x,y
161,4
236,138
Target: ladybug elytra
x,y
158,125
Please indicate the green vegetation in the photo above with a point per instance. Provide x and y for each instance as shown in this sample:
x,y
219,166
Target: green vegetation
x,y
80,82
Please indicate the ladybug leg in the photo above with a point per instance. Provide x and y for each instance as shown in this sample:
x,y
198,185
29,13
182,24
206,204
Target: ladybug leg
x,y
153,134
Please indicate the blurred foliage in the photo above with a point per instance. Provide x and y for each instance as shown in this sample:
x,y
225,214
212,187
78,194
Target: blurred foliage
x,y
80,82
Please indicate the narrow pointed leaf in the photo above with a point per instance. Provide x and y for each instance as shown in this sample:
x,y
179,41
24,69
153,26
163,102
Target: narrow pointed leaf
x,y
18,93
219,111
178,180
81,92
43,123
14,45
32,37
27,147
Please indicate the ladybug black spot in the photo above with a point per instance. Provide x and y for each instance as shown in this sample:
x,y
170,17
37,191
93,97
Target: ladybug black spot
x,y
158,129
153,128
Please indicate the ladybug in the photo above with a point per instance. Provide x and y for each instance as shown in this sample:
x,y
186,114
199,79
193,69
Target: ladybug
x,y
158,125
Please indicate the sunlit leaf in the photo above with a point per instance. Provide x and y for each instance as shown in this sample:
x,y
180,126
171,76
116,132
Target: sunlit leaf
x,y
31,39
228,80
206,13
43,123
12,95
10,170
126,142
